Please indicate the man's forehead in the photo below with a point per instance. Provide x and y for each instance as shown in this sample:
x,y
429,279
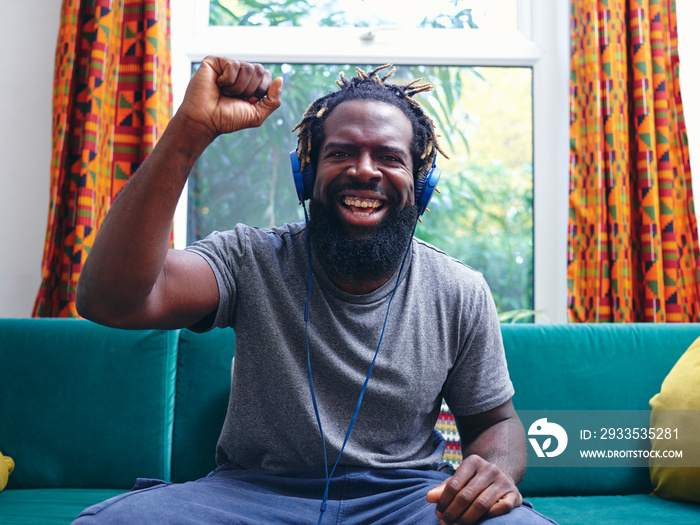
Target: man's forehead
x,y
365,118
367,106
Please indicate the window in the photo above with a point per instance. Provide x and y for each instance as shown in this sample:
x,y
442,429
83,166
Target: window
x,y
483,105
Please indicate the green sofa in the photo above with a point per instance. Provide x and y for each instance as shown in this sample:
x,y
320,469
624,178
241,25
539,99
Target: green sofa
x,y
84,410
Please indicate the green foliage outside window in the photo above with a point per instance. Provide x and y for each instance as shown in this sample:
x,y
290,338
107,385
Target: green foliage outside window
x,y
452,14
483,215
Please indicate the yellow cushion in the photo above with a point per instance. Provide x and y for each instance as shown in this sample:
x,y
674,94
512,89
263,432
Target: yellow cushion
x,y
673,408
6,468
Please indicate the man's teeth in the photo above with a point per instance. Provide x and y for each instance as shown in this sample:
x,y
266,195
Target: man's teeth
x,y
350,201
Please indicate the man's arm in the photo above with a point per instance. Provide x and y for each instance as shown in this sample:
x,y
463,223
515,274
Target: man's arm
x,y
495,457
131,279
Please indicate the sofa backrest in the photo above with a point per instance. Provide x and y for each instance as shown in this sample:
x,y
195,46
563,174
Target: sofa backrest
x,y
203,387
577,367
86,406
83,406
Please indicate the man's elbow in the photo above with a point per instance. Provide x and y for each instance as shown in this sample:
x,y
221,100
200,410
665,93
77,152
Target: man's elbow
x,y
86,304
83,302
95,306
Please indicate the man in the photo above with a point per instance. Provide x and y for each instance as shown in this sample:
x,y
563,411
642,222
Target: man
x,y
346,379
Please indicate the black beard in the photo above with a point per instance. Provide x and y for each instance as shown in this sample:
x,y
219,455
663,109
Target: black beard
x,y
373,258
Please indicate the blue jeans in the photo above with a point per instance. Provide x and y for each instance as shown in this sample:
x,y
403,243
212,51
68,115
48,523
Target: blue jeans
x,y
231,495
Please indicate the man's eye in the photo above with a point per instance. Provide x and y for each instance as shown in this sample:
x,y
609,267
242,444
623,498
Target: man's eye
x,y
339,154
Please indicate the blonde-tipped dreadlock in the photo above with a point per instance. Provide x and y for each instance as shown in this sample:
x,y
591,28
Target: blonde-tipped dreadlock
x,y
370,86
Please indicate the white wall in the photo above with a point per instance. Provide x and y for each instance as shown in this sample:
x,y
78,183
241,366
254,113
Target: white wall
x,y
27,46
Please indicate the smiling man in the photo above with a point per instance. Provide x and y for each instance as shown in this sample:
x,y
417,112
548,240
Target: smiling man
x,y
333,403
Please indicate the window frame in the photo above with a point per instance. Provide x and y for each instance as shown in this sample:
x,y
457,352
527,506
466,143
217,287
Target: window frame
x,y
541,42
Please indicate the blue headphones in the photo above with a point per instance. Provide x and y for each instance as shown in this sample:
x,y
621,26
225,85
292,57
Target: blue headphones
x,y
304,182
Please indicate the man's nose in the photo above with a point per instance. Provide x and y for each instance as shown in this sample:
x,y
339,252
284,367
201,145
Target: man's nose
x,y
366,169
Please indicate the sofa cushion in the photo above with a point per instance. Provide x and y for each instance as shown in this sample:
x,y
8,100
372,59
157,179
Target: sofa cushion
x,y
615,510
84,406
7,465
585,367
48,506
590,367
203,388
676,406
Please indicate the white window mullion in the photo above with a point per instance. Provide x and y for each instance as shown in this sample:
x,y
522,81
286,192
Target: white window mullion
x,y
551,158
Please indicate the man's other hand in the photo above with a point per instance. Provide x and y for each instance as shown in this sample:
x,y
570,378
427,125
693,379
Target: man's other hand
x,y
227,95
478,489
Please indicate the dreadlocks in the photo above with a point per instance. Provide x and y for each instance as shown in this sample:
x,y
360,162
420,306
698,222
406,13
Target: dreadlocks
x,y
424,146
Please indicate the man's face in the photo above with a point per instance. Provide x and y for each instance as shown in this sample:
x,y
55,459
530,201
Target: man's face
x,y
362,211
365,168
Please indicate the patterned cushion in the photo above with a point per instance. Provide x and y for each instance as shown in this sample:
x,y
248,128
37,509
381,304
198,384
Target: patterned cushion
x,y
448,428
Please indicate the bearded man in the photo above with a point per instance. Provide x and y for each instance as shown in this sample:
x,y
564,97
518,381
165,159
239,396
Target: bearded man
x,y
335,392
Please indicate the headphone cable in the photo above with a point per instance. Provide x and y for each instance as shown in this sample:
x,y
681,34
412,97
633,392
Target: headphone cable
x,y
324,503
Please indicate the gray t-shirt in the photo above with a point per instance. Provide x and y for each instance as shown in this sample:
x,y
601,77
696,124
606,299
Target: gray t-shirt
x,y
442,339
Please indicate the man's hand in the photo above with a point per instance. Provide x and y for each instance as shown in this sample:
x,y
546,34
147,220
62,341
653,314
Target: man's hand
x,y
477,489
227,95
484,485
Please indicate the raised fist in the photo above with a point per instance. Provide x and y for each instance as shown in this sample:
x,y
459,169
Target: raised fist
x,y
227,95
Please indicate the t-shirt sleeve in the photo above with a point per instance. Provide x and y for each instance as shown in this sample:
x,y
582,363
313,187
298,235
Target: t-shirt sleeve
x,y
225,252
479,379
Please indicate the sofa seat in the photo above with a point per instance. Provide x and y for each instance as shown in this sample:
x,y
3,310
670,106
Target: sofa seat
x,y
637,509
48,506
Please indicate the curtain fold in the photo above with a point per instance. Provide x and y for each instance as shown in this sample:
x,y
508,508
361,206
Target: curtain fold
x,y
633,245
112,100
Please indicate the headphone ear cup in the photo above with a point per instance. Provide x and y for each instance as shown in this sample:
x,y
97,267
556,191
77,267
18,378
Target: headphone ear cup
x,y
425,188
303,180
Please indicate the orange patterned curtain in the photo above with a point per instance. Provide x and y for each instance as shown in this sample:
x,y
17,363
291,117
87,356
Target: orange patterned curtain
x,y
633,245
112,100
